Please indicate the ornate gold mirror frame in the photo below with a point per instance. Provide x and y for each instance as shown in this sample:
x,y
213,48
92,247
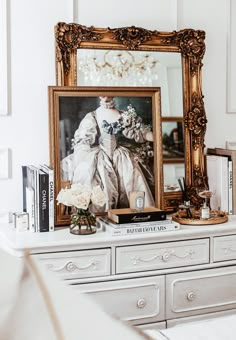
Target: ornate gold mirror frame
x,y
190,43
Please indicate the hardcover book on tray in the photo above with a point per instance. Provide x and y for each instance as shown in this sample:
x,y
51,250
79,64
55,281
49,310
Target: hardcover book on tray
x,y
127,215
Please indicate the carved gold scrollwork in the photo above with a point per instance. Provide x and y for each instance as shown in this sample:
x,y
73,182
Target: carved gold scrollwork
x,y
69,37
199,181
195,120
192,45
132,37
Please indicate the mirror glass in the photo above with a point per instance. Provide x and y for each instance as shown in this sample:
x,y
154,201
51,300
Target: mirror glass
x,y
144,68
135,68
172,172
173,139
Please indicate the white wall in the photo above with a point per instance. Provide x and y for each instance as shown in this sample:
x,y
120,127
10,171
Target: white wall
x,y
31,68
212,17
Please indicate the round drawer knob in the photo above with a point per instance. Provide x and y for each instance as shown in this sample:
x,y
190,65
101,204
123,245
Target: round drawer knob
x,y
191,296
141,303
70,267
165,257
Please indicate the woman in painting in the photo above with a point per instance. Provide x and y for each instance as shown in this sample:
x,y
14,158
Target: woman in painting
x,y
99,159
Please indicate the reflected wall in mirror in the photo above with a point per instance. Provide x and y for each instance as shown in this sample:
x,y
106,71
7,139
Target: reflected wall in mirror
x,y
173,172
85,54
173,139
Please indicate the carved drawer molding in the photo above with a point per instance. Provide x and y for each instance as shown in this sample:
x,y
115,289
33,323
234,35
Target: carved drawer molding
x,y
224,248
161,255
138,301
78,264
200,292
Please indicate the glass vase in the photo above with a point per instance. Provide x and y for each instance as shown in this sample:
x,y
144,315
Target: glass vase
x,y
82,222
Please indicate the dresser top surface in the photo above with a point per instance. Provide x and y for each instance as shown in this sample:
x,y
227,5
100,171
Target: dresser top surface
x,y
61,239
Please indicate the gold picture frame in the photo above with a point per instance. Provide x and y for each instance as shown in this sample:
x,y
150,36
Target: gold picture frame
x,y
90,157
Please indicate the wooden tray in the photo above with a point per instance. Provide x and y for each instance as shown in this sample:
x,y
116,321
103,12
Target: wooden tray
x,y
214,219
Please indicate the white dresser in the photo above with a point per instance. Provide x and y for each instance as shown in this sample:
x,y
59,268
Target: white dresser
x,y
152,280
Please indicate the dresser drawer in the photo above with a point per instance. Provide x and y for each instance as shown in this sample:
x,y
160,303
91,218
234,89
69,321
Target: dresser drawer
x,y
137,300
200,292
78,264
161,255
224,248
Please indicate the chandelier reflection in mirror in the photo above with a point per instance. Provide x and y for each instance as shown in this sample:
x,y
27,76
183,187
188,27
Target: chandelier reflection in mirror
x,y
116,67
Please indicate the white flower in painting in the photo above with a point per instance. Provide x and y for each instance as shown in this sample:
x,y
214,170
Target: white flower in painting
x,y
126,120
98,197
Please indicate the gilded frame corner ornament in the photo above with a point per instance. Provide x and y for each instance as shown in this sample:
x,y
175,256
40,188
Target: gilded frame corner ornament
x,y
189,42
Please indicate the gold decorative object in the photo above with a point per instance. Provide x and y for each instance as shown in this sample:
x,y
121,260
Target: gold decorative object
x,y
216,217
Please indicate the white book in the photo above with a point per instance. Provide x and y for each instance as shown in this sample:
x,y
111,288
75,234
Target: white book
x,y
231,154
218,173
30,207
135,230
230,179
105,221
35,184
48,170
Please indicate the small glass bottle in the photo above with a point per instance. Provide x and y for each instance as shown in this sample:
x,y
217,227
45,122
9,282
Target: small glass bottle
x,y
205,211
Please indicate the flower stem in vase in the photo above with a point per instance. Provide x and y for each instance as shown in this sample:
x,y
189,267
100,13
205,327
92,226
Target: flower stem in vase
x,y
82,222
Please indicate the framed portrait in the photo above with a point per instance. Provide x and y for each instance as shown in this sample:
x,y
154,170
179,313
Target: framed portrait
x,y
106,136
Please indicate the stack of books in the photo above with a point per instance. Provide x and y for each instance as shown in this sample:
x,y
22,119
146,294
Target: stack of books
x,y
38,197
221,172
117,229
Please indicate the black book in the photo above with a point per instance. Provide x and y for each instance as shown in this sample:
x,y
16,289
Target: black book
x,y
127,215
48,170
43,200
24,185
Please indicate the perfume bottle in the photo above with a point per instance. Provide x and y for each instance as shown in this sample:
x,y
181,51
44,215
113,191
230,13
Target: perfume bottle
x,y
205,211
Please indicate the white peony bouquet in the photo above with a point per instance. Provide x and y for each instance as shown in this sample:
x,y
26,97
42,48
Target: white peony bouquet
x,y
80,197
